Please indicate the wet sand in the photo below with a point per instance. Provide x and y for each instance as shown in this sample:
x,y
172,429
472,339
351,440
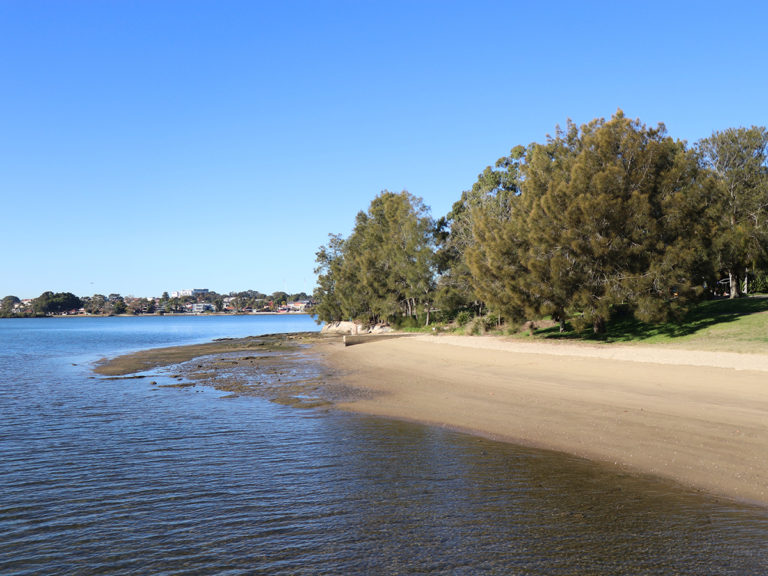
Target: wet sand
x,y
699,418
158,357
281,368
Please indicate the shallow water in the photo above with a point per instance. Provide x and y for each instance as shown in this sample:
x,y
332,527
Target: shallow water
x,y
123,477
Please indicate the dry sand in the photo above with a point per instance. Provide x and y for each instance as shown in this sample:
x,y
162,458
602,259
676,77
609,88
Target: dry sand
x,y
700,418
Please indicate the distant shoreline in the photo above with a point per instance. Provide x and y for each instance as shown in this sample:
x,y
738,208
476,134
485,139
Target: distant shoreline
x,y
167,314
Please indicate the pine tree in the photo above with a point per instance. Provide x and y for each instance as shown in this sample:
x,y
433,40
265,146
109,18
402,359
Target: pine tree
x,y
611,213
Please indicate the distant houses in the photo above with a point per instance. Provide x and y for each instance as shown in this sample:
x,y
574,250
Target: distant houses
x,y
192,292
299,306
191,301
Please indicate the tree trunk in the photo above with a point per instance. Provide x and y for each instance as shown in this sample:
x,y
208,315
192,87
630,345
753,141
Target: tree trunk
x,y
562,325
746,281
428,307
733,281
598,326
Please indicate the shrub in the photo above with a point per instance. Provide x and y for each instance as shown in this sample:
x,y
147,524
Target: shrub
x,y
463,318
476,327
758,283
490,322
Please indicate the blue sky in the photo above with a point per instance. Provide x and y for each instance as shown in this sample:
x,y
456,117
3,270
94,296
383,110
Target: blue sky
x,y
158,145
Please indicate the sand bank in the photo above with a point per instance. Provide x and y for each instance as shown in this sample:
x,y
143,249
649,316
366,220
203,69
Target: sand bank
x,y
700,418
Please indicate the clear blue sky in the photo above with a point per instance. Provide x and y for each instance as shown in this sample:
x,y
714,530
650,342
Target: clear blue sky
x,y
158,145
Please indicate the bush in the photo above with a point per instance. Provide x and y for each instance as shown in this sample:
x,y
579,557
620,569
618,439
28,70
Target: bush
x,y
463,318
404,322
475,328
490,322
758,282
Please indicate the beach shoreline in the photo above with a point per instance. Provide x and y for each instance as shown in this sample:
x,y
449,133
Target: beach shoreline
x,y
699,418
695,417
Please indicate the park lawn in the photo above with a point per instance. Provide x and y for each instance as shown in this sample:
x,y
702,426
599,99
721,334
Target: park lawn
x,y
739,325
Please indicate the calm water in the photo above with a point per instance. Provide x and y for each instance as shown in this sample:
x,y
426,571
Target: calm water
x,y
122,477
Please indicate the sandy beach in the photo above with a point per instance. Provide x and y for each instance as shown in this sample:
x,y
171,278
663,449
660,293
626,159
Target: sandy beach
x,y
699,418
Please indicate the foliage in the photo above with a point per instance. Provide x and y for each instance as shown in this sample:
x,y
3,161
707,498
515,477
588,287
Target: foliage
x,y
759,282
99,304
457,233
7,306
737,159
384,269
608,214
463,318
610,220
50,303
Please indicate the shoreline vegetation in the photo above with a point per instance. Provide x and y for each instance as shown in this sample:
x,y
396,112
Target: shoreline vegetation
x,y
601,223
697,417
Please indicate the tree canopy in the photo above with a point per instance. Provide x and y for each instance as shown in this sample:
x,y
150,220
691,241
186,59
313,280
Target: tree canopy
x,y
610,216
50,303
737,159
385,268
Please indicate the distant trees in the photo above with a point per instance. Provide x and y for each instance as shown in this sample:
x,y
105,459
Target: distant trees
x,y
605,217
140,306
95,304
7,306
118,305
385,269
50,303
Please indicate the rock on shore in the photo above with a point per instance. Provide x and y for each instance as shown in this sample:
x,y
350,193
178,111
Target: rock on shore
x,y
353,328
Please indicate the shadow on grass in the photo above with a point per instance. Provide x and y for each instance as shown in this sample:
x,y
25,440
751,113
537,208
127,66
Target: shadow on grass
x,y
625,328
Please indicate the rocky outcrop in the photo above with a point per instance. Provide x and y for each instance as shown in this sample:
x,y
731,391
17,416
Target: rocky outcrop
x,y
353,328
343,328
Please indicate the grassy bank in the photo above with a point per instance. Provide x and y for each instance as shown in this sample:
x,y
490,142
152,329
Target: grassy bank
x,y
739,325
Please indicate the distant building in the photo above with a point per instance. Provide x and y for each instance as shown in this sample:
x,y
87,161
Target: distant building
x,y
190,292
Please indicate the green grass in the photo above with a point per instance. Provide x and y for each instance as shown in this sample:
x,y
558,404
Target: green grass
x,y
739,325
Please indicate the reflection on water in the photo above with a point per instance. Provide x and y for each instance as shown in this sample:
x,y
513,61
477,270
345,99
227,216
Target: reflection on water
x,y
122,477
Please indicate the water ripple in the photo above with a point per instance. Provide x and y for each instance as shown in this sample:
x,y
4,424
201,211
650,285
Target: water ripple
x,y
118,477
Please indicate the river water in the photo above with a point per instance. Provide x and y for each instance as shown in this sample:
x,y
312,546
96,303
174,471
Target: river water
x,y
124,477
